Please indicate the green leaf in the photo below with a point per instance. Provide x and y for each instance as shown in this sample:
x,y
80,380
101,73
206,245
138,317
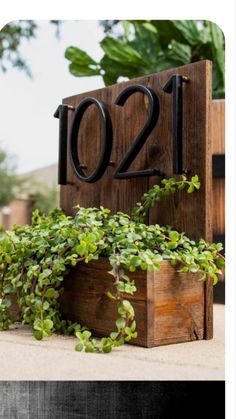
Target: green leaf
x,y
38,334
133,326
110,295
218,50
195,182
190,188
8,289
220,262
135,261
79,347
128,330
149,27
46,305
106,349
172,245
37,324
82,71
89,348
120,324
86,335
193,268
180,52
51,293
189,30
114,335
47,324
78,56
121,52
6,303
174,236
78,334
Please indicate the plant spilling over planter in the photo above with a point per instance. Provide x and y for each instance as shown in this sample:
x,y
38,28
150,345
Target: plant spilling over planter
x,y
35,259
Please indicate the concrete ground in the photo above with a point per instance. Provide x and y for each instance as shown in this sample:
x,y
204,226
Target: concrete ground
x,y
24,358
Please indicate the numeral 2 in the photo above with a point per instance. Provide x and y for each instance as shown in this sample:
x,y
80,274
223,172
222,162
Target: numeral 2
x,y
139,141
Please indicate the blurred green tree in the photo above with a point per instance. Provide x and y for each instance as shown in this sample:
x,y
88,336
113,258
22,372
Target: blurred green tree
x,y
139,47
45,198
11,37
8,179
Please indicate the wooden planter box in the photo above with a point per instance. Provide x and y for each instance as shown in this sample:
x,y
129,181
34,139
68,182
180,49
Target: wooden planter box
x,y
170,307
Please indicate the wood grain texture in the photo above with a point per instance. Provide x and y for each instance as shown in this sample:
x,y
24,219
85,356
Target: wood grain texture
x,y
218,147
169,306
181,209
109,399
218,206
179,307
218,126
84,299
217,132
189,213
127,121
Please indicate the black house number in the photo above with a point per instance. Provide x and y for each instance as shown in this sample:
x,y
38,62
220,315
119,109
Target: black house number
x,y
173,86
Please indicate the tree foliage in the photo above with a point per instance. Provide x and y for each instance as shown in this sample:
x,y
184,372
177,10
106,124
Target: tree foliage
x,y
11,38
45,198
136,48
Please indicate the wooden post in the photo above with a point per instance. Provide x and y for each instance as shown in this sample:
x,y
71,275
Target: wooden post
x,y
189,213
218,154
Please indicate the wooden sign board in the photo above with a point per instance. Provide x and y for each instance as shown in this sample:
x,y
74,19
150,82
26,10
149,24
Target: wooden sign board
x,y
118,141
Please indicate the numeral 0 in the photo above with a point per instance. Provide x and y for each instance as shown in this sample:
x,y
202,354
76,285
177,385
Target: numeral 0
x,y
106,139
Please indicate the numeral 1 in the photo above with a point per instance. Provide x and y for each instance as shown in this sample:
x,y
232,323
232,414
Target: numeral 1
x,y
62,114
174,86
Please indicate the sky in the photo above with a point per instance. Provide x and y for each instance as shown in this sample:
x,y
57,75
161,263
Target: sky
x,y
28,129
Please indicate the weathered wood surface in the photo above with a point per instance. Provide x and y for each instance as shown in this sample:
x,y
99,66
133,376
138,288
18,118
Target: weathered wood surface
x,y
218,148
116,194
189,213
169,307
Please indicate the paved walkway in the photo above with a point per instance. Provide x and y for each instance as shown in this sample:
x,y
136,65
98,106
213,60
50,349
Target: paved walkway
x,y
24,358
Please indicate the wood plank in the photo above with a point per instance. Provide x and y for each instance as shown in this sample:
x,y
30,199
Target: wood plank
x,y
179,307
218,148
151,278
218,207
169,306
218,126
181,209
84,299
109,192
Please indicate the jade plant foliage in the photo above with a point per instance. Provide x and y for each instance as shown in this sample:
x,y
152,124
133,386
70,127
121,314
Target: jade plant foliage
x,y
34,260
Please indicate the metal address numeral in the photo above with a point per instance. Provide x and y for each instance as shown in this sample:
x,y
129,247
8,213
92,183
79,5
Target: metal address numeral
x,y
62,114
138,143
106,138
174,86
